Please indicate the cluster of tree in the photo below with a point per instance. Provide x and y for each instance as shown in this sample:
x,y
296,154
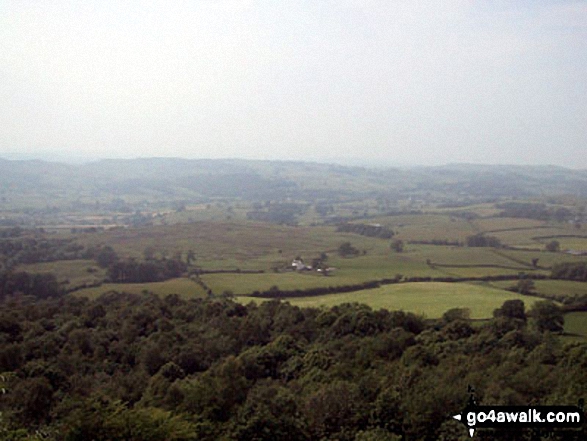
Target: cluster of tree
x,y
369,230
278,213
133,271
34,248
570,271
141,367
397,245
324,209
11,232
42,285
481,240
553,246
534,211
275,293
442,242
156,270
347,250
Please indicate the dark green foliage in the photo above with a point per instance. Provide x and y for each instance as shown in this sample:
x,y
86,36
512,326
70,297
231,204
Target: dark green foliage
x,y
553,246
32,247
347,250
144,368
38,285
105,256
480,240
397,246
280,213
570,271
547,316
131,271
534,211
525,286
366,230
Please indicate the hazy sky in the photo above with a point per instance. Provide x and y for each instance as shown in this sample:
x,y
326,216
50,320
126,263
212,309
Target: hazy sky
x,y
398,82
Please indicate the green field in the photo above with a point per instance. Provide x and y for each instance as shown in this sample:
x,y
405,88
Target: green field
x,y
71,273
576,323
427,227
230,245
573,243
346,272
554,288
430,299
183,287
536,237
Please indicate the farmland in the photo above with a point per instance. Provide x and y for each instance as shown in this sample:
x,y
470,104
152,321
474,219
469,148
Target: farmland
x,y
428,299
234,228
240,257
231,298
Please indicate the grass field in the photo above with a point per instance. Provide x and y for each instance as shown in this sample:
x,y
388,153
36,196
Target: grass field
x,y
74,272
534,237
183,287
348,271
554,288
228,245
429,299
576,323
495,224
427,227
573,243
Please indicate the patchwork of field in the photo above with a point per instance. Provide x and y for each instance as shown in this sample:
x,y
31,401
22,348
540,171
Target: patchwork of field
x,y
243,245
427,227
429,299
246,245
183,287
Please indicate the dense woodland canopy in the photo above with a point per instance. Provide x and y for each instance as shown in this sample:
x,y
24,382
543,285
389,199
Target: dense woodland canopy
x,y
143,367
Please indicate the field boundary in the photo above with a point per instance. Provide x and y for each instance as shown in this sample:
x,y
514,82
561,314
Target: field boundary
x,y
276,293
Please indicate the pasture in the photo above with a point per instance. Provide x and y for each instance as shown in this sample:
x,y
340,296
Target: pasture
x,y
551,288
71,273
427,227
226,245
429,299
576,323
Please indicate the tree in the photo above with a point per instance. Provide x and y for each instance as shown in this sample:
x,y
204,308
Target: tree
x,y
547,316
553,246
346,249
525,286
512,309
479,240
106,257
397,245
149,253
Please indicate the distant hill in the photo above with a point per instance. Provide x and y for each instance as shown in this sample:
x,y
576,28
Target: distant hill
x,y
169,179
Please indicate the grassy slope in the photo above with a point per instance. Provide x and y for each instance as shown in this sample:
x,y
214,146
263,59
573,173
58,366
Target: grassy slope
x,y
576,323
551,287
75,272
430,299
